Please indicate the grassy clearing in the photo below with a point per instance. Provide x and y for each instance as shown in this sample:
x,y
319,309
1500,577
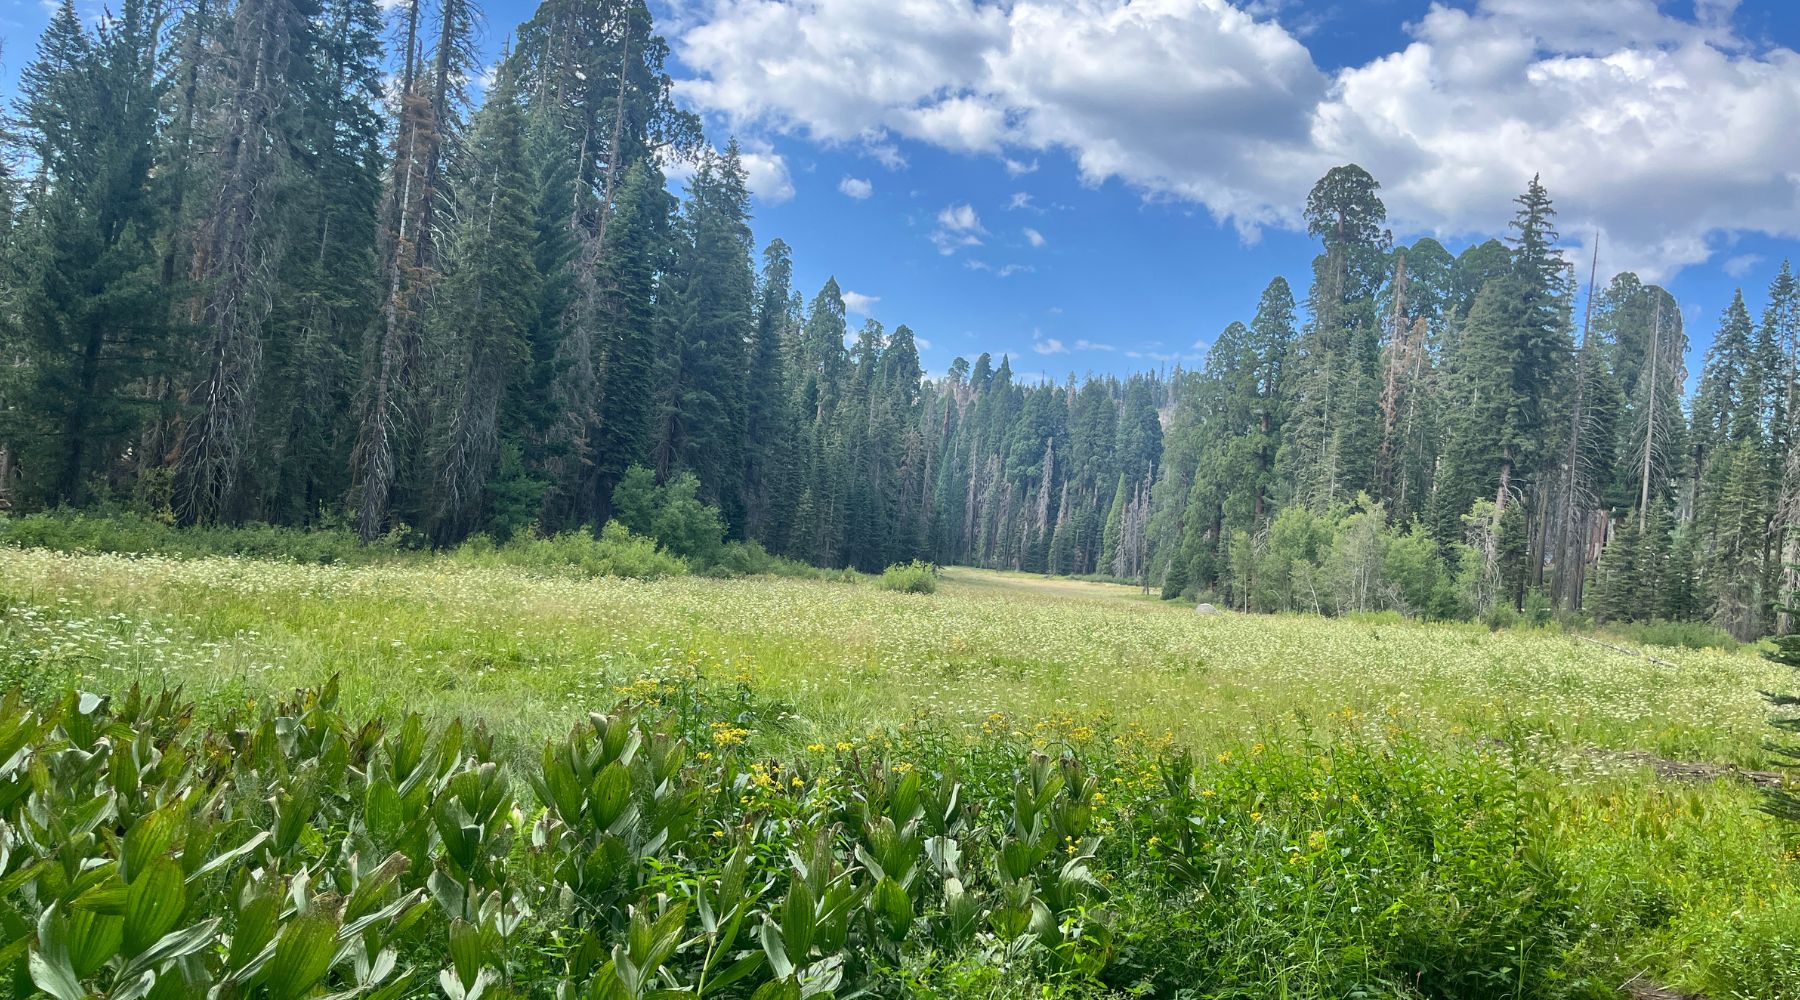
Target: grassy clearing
x,y
524,651
1366,796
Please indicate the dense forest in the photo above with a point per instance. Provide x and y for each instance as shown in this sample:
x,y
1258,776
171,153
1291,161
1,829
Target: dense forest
x,y
271,260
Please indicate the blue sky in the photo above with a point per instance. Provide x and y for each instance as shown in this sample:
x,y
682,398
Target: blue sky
x,y
1096,185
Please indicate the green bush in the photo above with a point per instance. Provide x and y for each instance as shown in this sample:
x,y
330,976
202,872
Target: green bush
x,y
135,534
671,513
909,578
616,552
748,558
1353,867
1675,635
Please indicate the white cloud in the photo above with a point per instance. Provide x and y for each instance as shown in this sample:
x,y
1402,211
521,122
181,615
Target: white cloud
x,y
1020,199
957,227
856,187
1003,271
767,175
1741,265
858,303
1047,345
924,345
1033,237
1660,132
1018,168
1088,345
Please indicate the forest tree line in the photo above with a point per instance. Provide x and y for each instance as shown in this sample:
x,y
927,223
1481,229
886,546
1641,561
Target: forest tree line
x,y
277,261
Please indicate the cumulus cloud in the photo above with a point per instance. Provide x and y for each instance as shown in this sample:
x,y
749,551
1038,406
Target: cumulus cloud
x,y
767,175
1047,345
957,227
856,187
858,303
1033,237
1088,345
1659,131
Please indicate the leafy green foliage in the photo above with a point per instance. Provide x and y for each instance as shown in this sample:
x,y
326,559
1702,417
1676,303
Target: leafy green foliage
x,y
287,852
909,578
135,534
616,551
671,512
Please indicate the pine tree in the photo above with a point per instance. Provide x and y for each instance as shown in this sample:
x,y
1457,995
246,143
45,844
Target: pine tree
x,y
1739,512
709,315
488,299
1113,537
328,292
638,240
1615,594
768,423
1513,356
88,312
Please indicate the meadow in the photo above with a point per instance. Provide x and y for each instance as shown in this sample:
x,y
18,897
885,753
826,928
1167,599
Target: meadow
x,y
1245,805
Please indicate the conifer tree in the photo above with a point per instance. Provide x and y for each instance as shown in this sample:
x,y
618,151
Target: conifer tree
x,y
708,316
88,312
768,431
1334,430
257,130
486,304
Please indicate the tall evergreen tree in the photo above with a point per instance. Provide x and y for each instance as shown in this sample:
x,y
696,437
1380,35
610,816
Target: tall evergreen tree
x,y
88,315
1333,432
486,305
708,317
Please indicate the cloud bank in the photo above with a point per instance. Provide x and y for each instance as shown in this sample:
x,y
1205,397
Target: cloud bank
x,y
1661,132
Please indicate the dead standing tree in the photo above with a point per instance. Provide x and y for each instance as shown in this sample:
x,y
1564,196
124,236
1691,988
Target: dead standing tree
x,y
237,251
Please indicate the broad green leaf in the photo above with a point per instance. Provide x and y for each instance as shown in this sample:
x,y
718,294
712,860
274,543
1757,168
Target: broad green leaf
x,y
93,939
153,903
798,921
302,955
51,968
150,838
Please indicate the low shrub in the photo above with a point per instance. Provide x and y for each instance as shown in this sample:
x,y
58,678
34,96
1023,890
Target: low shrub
x,y
749,558
615,552
1676,635
915,577
135,534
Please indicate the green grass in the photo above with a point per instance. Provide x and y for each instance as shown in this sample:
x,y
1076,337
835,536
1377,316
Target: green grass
x,y
1473,738
525,650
